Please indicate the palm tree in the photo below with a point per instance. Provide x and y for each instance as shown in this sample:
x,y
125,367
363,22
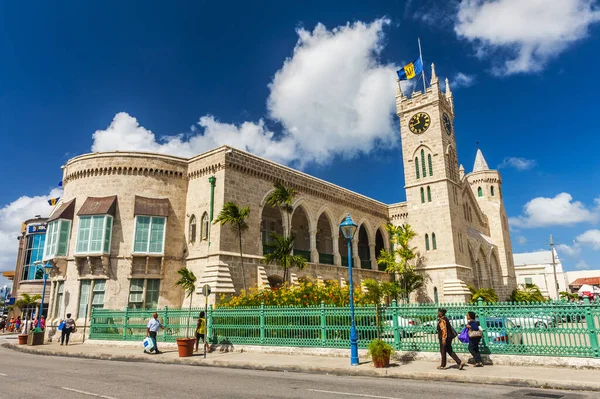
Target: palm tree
x,y
282,197
234,216
280,252
187,281
410,281
486,294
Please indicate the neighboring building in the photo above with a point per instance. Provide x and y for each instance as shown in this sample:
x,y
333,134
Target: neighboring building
x,y
576,279
128,221
29,276
536,268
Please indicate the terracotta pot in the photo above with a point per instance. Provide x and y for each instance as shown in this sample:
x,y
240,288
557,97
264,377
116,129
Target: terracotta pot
x,y
22,339
185,346
382,362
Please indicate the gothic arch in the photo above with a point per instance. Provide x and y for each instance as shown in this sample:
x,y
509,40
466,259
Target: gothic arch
x,y
327,211
301,203
483,268
417,151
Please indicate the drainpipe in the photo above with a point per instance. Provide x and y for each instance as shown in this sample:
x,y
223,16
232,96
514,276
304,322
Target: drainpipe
x,y
212,180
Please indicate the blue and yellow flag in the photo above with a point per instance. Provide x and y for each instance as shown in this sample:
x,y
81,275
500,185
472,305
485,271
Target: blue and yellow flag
x,y
411,70
53,201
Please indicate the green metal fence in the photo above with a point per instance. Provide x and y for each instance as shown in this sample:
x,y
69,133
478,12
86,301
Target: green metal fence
x,y
546,329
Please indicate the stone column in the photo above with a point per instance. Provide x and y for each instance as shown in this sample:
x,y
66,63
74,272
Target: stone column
x,y
355,257
373,256
337,258
314,252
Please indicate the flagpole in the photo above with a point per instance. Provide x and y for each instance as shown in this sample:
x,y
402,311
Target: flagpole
x,y
423,66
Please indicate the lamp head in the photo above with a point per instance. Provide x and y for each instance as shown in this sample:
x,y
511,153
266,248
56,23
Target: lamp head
x,y
348,228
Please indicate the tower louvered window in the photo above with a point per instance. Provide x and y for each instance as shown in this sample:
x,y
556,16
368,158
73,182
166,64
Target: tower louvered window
x,y
492,190
426,242
422,195
417,166
423,162
433,241
428,194
479,192
430,165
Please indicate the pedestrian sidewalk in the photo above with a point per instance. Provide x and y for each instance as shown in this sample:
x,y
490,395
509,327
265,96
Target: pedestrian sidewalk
x,y
527,376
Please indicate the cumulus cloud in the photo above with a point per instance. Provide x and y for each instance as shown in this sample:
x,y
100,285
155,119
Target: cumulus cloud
x,y
524,35
332,96
517,163
569,250
582,265
462,80
11,217
522,240
590,238
558,211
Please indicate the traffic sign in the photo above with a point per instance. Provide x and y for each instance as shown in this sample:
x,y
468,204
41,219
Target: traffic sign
x,y
206,290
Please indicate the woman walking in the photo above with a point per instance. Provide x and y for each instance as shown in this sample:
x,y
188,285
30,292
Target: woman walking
x,y
446,334
67,330
475,335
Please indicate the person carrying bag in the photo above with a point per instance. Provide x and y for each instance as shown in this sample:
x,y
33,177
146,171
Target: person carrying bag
x,y
475,335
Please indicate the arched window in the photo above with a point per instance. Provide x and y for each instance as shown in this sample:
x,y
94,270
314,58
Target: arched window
x,y
423,162
422,195
417,166
430,165
428,194
205,226
492,190
479,192
433,242
435,294
426,242
192,232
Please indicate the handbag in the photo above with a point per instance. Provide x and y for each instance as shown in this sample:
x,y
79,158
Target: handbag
x,y
464,336
475,334
61,325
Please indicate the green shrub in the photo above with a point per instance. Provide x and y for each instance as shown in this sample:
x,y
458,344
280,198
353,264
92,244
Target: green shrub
x,y
527,293
380,350
486,294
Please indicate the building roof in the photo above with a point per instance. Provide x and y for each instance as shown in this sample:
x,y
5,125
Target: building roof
x,y
151,206
535,258
9,275
586,280
480,163
98,206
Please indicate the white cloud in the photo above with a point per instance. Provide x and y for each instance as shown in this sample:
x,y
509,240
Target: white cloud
x,y
558,211
331,96
568,250
462,80
11,217
517,163
590,237
525,34
582,265
522,240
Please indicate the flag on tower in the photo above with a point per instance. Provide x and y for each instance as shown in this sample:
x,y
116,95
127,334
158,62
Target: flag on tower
x,y
411,70
53,201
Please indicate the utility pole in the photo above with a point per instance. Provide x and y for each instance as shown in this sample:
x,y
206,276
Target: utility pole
x,y
554,265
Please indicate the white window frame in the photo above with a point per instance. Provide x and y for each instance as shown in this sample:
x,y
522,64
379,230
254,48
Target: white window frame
x,y
144,292
135,227
89,241
90,304
51,245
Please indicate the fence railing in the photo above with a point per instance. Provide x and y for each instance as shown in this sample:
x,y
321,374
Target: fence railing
x,y
543,329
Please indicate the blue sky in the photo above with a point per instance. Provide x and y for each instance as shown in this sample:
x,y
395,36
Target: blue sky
x,y
310,84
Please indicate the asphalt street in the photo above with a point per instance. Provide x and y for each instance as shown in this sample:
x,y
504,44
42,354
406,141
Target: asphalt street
x,y
27,376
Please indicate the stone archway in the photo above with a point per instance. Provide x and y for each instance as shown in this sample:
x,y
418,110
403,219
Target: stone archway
x,y
483,270
301,230
379,245
271,222
324,238
364,251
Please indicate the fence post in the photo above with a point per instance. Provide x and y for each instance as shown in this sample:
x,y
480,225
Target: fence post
x,y
482,322
395,324
125,321
591,326
323,325
262,323
166,324
209,325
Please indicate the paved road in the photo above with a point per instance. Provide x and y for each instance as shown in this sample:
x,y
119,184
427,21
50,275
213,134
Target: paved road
x,y
27,376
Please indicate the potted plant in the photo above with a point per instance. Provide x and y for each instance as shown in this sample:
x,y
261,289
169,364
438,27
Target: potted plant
x,y
380,352
23,303
187,281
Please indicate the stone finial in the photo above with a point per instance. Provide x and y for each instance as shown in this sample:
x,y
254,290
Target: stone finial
x,y
434,78
480,163
399,89
461,171
448,92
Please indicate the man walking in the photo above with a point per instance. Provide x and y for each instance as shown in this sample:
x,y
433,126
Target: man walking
x,y
445,335
151,329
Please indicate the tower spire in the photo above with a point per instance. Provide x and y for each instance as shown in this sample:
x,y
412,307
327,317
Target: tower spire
x,y
480,163
434,78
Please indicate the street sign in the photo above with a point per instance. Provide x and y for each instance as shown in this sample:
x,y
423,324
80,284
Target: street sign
x,y
10,301
206,290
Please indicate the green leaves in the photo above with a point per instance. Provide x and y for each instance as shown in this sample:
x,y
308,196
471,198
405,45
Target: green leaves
x,y
234,216
280,252
486,294
282,197
187,281
527,293
27,300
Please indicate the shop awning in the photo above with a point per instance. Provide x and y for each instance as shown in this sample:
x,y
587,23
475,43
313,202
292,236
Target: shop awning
x,y
98,206
151,206
65,211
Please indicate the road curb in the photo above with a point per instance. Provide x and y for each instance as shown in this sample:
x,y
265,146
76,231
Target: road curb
x,y
447,376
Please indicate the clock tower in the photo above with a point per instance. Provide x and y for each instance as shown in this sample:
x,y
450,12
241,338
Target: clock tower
x,y
433,187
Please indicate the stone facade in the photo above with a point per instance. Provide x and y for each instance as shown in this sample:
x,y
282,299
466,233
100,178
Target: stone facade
x,y
467,233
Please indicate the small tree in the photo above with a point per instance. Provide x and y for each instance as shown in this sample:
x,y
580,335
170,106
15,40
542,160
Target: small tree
x,y
527,293
280,252
486,294
282,197
409,281
376,292
236,217
187,281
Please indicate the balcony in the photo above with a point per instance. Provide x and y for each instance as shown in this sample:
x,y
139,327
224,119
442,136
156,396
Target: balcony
x,y
365,263
326,259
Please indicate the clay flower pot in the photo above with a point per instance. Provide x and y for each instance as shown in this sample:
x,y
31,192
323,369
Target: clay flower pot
x,y
381,363
185,346
22,339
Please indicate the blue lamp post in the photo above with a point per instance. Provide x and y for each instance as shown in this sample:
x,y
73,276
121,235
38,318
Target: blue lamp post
x,y
348,228
46,269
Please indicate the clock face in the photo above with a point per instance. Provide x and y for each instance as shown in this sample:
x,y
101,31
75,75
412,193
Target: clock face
x,y
447,123
419,122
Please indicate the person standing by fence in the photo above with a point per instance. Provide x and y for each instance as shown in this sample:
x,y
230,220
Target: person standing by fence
x,y
201,332
446,334
68,328
152,329
475,335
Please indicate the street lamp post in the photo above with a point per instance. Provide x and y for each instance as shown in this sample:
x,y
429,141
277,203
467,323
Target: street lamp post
x,y
45,268
348,228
